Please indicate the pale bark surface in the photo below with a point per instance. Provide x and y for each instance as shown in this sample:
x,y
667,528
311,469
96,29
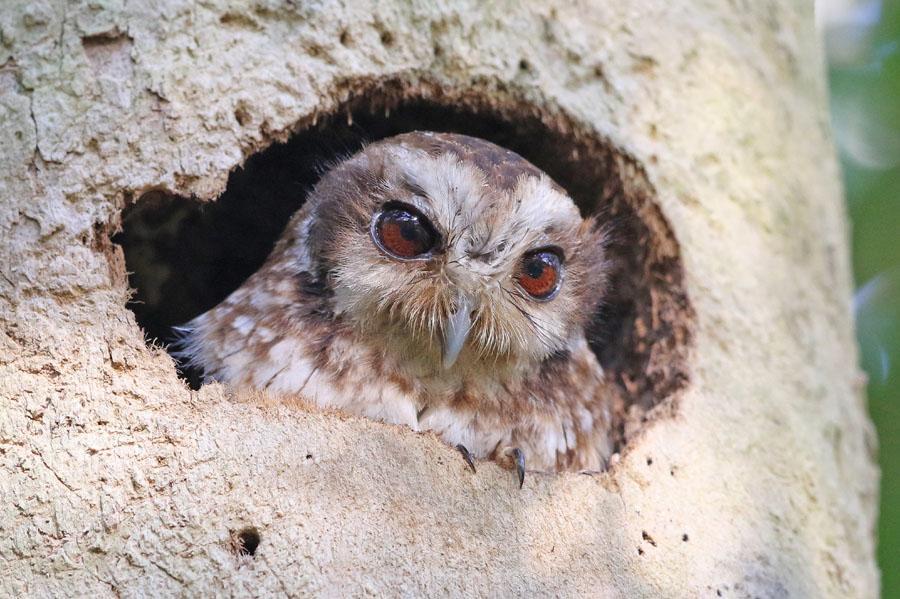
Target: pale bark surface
x,y
115,479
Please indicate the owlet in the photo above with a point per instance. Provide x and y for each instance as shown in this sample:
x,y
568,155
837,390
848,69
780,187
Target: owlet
x,y
437,281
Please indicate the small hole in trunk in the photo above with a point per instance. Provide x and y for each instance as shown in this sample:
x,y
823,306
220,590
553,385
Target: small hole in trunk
x,y
246,541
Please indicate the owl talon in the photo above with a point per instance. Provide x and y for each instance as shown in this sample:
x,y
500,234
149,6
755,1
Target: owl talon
x,y
519,458
466,456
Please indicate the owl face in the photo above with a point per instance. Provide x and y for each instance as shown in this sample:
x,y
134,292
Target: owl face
x,y
453,252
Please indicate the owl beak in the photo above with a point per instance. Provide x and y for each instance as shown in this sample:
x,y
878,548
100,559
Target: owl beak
x,y
457,330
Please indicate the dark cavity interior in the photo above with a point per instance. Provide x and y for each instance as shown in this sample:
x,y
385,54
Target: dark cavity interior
x,y
185,255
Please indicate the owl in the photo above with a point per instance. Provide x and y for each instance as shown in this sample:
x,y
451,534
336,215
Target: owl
x,y
436,281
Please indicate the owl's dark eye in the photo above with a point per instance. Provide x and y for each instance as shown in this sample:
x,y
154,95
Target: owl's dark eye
x,y
403,232
541,273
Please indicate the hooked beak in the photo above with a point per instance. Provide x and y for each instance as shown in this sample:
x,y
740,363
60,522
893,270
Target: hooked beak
x,y
457,330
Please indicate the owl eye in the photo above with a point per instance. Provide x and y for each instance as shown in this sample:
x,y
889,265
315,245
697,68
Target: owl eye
x,y
541,273
403,232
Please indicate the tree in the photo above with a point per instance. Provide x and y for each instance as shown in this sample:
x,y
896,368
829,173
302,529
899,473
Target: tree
x,y
747,466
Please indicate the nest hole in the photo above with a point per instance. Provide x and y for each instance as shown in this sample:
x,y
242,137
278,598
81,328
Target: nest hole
x,y
185,255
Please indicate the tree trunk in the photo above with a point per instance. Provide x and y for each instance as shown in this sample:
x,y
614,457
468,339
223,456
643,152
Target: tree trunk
x,y
753,476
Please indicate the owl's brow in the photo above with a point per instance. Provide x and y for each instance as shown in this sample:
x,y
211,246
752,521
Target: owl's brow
x,y
457,232
413,188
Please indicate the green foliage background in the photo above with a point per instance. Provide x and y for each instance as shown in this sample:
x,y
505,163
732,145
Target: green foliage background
x,y
865,100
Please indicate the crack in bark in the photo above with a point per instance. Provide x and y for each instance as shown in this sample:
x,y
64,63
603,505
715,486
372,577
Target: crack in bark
x,y
56,474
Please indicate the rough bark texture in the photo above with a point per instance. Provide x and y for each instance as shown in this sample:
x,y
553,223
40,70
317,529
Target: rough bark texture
x,y
757,480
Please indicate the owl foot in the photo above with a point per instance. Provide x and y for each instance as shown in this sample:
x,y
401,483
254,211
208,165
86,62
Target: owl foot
x,y
466,456
519,458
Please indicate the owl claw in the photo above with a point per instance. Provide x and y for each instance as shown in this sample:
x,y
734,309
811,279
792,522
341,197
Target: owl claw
x,y
466,456
519,458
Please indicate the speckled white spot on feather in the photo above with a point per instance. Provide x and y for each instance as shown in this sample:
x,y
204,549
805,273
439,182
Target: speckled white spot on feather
x,y
265,334
243,324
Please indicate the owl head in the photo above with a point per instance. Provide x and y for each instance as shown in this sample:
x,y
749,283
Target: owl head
x,y
451,253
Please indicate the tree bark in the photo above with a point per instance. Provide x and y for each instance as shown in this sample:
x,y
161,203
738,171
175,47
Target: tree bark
x,y
758,479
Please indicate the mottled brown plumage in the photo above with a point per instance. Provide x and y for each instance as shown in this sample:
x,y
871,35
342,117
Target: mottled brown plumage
x,y
448,340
